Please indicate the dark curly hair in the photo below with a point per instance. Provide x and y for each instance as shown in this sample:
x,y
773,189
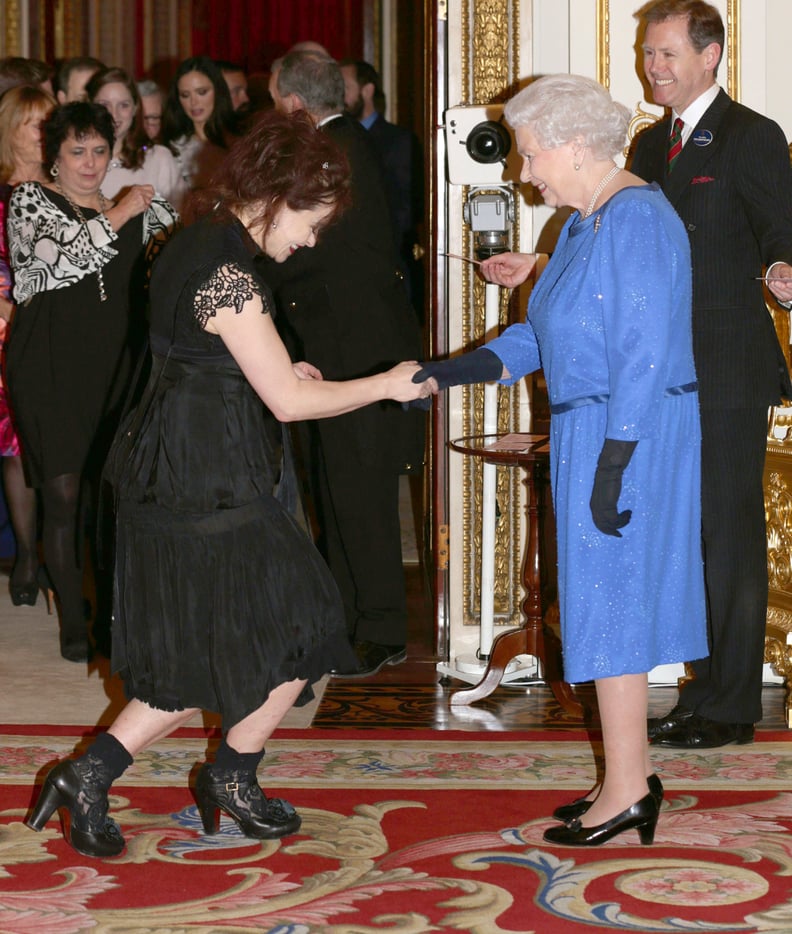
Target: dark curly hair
x,y
78,119
283,161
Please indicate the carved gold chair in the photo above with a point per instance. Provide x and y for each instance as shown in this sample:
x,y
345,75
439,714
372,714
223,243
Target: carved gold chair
x,y
778,513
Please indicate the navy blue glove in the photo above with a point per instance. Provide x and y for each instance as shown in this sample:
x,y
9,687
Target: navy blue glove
x,y
478,366
614,458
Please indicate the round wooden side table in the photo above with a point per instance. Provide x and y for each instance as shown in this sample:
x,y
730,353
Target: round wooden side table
x,y
531,452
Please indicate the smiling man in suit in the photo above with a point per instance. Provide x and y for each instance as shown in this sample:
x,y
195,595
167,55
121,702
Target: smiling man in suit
x,y
726,170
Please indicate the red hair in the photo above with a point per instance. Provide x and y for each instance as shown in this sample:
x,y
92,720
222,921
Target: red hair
x,y
283,161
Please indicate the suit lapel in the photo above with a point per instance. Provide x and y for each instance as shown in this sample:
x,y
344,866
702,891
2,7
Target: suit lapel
x,y
695,155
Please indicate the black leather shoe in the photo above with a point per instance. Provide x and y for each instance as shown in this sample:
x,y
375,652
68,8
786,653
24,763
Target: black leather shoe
x,y
371,658
642,816
79,787
700,733
656,726
24,594
578,807
239,795
75,648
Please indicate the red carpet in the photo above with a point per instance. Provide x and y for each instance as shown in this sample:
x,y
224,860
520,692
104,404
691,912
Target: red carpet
x,y
409,832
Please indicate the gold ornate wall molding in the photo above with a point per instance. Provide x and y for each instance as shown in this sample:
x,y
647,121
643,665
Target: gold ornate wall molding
x,y
734,76
603,43
490,55
12,28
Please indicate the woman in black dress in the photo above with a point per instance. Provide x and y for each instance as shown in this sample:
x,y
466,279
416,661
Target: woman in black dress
x,y
222,601
78,287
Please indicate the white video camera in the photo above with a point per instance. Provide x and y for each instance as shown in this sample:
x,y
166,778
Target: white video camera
x,y
480,147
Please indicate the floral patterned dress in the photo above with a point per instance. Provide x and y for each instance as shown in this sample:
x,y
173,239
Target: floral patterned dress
x,y
9,443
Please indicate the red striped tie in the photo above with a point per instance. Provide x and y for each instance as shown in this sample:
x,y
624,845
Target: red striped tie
x,y
675,143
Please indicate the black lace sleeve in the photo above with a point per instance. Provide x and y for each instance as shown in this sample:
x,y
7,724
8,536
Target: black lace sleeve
x,y
229,286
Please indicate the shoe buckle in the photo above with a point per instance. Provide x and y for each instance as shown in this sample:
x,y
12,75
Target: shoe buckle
x,y
232,786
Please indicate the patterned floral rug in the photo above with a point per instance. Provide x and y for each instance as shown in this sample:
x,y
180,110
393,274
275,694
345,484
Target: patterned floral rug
x,y
410,832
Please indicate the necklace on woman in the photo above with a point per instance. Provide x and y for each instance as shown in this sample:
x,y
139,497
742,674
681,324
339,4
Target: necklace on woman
x,y
600,188
81,217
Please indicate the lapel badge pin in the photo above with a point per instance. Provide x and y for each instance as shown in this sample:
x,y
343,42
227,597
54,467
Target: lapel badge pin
x,y
702,137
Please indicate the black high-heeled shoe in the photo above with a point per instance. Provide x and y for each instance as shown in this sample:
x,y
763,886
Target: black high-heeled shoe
x,y
24,594
579,806
77,786
641,816
239,795
75,648
45,585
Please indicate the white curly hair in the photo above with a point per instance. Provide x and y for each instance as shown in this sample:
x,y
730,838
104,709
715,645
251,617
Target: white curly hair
x,y
562,108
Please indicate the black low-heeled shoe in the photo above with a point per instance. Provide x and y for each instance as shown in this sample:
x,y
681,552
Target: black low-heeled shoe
x,y
239,795
579,806
72,785
641,816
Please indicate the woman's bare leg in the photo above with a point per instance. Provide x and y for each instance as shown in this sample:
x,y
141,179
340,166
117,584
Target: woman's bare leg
x,y
250,734
139,725
623,705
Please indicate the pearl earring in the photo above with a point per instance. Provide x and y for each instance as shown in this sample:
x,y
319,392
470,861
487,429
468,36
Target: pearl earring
x,y
577,166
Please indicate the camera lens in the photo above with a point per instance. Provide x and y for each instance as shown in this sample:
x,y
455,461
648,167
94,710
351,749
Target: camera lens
x,y
488,142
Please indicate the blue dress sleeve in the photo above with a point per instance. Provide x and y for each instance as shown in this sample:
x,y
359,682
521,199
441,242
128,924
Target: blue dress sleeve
x,y
518,350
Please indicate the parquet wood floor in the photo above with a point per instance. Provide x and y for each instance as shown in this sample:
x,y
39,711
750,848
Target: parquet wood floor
x,y
413,696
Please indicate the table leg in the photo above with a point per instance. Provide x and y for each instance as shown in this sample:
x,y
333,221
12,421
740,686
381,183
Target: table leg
x,y
530,639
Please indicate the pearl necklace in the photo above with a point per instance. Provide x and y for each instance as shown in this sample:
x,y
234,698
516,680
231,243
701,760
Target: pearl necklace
x,y
600,188
103,202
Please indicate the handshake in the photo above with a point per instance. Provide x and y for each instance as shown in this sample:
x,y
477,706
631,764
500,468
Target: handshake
x,y
478,366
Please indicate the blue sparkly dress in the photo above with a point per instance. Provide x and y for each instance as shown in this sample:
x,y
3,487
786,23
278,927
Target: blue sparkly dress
x,y
609,321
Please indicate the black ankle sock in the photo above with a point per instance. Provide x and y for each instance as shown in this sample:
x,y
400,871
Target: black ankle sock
x,y
113,755
228,759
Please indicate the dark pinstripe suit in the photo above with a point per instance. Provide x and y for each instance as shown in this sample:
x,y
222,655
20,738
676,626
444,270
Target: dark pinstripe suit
x,y
345,309
733,191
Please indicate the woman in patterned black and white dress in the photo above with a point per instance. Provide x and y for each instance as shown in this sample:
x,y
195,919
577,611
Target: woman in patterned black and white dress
x,y
78,261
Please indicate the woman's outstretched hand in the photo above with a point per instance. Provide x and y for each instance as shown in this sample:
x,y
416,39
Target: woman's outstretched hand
x,y
508,269
401,387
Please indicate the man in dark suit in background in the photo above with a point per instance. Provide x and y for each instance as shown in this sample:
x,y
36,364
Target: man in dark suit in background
x,y
345,309
400,154
728,176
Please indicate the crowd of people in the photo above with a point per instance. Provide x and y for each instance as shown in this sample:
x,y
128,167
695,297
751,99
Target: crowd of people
x,y
133,409
170,141
138,356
